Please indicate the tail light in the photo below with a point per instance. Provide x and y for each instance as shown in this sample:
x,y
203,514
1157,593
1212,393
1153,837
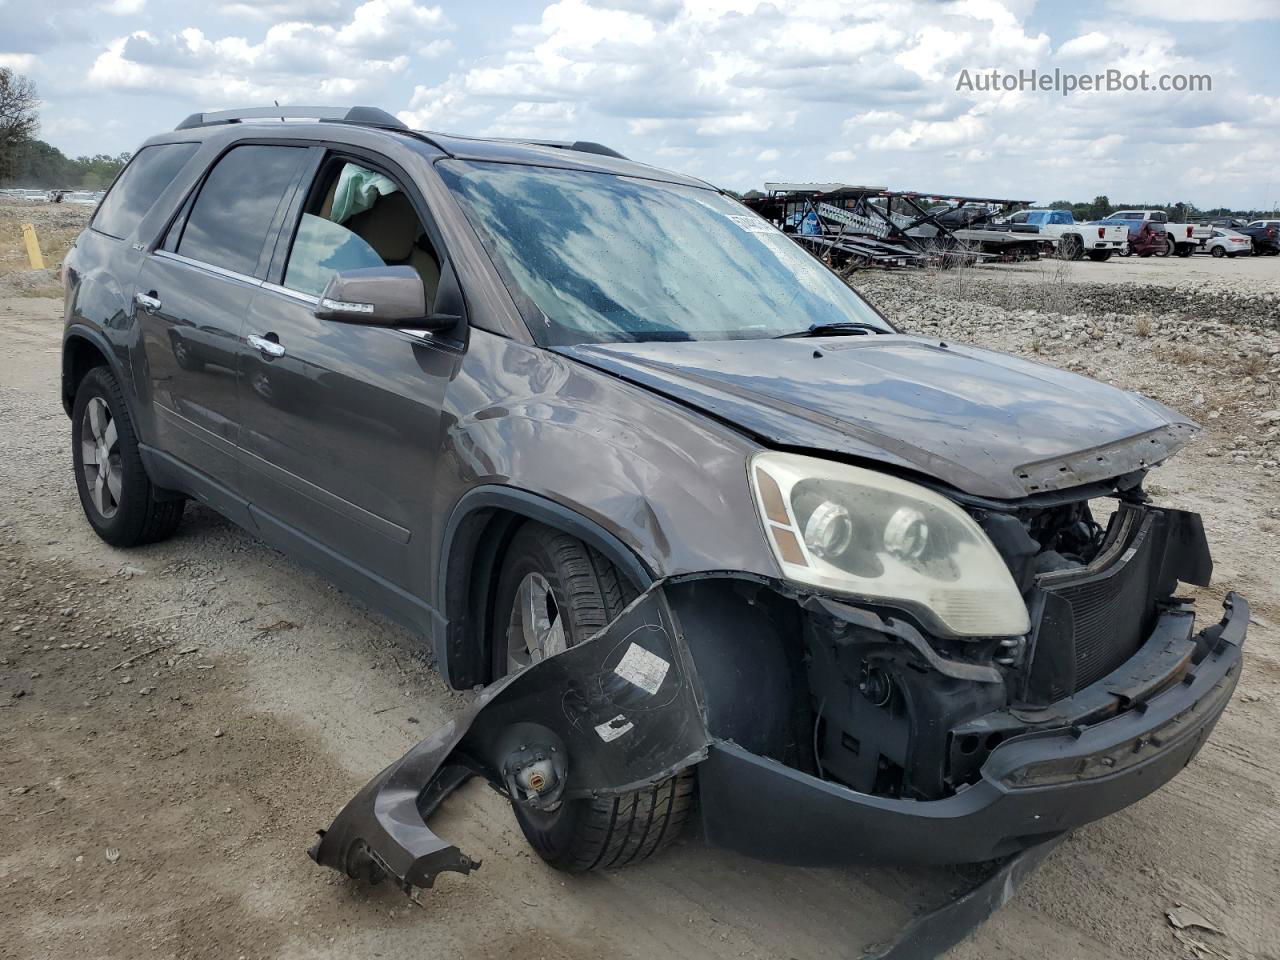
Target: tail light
x,y
1102,232
1188,231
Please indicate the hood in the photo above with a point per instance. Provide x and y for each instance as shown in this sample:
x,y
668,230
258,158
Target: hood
x,y
986,423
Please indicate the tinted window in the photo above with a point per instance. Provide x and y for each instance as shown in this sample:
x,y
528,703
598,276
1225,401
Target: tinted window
x,y
148,173
237,204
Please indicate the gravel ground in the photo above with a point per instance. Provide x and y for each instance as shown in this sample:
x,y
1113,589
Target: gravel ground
x,y
176,721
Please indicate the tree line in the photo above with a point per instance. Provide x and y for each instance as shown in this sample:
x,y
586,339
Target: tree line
x,y
28,162
1101,207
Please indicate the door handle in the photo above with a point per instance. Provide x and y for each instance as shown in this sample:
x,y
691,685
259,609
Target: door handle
x,y
148,301
268,348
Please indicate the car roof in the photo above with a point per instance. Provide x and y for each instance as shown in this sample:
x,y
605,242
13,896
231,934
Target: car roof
x,y
578,155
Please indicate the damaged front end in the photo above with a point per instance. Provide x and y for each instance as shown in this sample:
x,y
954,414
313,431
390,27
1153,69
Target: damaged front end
x,y
828,731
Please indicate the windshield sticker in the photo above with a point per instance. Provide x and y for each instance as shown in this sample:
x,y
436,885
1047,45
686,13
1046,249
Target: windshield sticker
x,y
752,224
611,730
643,669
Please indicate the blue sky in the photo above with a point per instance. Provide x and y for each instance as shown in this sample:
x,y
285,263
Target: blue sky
x,y
736,91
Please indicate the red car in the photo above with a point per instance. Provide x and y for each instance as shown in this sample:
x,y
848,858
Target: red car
x,y
1145,237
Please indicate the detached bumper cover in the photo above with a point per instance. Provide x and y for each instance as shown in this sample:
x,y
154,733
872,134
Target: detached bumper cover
x,y
625,710
605,717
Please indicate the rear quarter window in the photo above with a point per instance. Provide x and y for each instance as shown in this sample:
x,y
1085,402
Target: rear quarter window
x,y
135,191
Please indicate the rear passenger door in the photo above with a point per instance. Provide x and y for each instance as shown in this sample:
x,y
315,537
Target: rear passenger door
x,y
192,295
341,420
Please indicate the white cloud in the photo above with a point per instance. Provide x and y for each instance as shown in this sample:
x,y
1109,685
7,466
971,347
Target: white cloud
x,y
938,133
293,59
18,62
308,11
1199,10
1086,45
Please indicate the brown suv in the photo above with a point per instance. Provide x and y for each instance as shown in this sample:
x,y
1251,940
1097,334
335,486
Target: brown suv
x,y
696,516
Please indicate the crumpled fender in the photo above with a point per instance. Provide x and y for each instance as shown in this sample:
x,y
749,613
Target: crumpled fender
x,y
616,713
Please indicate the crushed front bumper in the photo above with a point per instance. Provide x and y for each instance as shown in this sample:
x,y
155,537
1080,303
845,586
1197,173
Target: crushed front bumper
x,y
625,710
1032,788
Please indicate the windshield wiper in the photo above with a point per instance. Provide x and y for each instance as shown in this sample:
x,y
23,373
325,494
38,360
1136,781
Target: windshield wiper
x,y
840,327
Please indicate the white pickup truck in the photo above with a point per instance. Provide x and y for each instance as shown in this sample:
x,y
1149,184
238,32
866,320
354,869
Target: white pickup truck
x,y
1075,240
1181,238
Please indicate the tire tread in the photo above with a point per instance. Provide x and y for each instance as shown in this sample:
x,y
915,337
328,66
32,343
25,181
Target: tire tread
x,y
158,517
629,828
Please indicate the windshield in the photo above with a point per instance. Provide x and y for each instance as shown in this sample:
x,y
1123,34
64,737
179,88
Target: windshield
x,y
597,258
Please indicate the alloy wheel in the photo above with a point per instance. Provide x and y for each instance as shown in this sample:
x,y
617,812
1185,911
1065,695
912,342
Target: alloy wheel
x,y
536,629
100,458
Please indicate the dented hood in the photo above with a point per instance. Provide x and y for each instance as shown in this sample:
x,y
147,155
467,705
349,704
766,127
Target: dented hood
x,y
987,423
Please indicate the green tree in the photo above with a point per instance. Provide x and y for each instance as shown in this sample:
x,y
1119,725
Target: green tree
x,y
18,118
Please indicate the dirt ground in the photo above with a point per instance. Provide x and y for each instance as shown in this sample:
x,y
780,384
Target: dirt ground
x,y
175,722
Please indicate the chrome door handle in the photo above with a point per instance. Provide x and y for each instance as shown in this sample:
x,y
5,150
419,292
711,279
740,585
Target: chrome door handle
x,y
268,348
147,302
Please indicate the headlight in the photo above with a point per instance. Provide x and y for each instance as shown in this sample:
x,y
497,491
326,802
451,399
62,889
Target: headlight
x,y
871,535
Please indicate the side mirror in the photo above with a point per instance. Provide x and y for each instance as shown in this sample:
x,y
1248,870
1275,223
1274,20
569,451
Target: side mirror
x,y
391,297
376,296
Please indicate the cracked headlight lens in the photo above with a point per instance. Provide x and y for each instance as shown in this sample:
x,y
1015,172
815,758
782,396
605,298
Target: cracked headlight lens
x,y
871,535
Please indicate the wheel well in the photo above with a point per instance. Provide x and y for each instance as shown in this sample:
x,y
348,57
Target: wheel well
x,y
79,356
471,557
471,579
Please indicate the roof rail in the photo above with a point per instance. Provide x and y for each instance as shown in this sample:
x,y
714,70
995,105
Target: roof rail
x,y
581,146
365,116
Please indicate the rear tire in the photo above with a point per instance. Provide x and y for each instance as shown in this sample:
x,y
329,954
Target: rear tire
x,y
120,502
573,592
1071,247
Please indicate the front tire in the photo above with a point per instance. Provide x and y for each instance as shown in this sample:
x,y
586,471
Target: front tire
x,y
555,592
121,504
1219,252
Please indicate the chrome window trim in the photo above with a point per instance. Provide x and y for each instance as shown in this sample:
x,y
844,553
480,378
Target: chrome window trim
x,y
294,294
210,267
